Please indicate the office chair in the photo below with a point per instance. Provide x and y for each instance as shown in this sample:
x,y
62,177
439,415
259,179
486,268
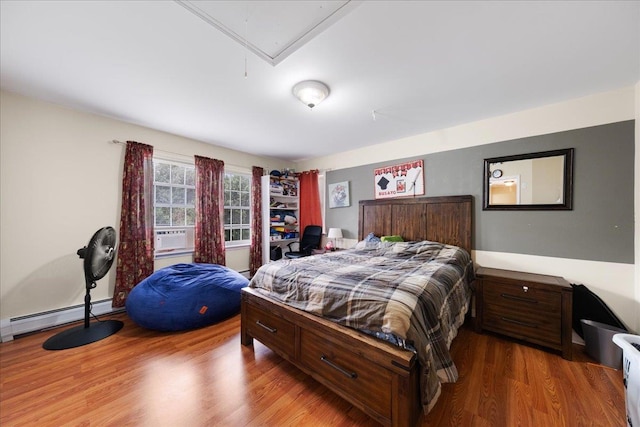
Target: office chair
x,y
311,238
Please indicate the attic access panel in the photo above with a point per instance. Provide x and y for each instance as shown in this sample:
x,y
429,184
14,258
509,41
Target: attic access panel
x,y
273,30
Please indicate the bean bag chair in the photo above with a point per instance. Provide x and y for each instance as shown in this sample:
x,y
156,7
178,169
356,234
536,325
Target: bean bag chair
x,y
186,296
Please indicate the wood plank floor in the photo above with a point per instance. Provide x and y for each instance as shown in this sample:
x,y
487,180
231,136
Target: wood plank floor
x,y
206,378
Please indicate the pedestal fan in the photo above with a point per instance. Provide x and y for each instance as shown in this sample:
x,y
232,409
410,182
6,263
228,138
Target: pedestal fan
x,y
98,256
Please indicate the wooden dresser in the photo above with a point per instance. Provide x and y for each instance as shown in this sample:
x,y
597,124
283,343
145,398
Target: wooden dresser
x,y
531,307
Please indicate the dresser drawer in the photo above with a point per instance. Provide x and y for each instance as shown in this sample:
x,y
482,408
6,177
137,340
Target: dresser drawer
x,y
345,370
522,296
540,327
273,331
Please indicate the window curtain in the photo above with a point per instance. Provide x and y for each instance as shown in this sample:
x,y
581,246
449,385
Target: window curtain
x,y
255,255
134,260
209,235
310,213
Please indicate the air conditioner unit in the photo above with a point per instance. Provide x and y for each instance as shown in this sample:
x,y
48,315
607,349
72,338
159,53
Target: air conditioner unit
x,y
170,239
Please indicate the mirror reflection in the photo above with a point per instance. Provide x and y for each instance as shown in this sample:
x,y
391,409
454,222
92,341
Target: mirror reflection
x,y
529,181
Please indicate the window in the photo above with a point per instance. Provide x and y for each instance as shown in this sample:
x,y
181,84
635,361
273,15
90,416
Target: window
x,y
237,209
174,213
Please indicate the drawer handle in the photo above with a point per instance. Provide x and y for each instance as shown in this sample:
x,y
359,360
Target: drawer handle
x,y
517,298
272,330
519,322
340,369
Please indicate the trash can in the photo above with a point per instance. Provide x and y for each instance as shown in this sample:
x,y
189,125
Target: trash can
x,y
630,345
599,345
276,253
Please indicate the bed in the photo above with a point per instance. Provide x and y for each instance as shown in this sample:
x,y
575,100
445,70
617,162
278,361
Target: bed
x,y
388,375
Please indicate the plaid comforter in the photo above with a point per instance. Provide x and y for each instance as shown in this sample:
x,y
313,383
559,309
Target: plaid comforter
x,y
414,294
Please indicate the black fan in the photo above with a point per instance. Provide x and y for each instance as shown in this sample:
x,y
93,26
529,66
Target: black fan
x,y
98,257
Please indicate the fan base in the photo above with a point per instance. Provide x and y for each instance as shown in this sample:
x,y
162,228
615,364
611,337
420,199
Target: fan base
x,y
80,335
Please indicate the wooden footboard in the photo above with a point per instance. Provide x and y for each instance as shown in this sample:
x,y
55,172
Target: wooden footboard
x,y
380,379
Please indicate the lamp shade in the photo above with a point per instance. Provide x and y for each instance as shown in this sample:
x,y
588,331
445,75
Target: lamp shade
x,y
335,233
310,92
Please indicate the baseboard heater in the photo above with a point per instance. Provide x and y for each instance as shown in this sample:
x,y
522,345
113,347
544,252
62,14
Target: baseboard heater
x,y
13,327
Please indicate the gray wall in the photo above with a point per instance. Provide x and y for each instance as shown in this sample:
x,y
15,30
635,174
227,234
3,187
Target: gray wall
x,y
599,228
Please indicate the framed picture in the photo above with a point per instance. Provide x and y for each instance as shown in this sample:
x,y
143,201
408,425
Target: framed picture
x,y
339,195
402,180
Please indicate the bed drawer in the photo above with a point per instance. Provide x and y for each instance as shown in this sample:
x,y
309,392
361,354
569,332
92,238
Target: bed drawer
x,y
345,370
273,331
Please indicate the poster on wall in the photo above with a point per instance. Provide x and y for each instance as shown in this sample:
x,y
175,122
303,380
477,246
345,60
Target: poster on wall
x,y
339,195
402,180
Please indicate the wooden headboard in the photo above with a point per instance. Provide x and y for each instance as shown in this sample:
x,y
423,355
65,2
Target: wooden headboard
x,y
441,219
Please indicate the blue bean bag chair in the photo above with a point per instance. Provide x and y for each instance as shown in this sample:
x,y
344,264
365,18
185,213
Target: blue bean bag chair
x,y
186,296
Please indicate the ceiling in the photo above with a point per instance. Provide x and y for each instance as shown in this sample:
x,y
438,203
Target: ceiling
x,y
224,75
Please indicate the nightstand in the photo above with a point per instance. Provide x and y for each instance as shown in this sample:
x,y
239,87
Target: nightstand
x,y
531,307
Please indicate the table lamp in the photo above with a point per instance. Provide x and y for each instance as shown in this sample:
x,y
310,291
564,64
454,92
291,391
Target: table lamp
x,y
334,233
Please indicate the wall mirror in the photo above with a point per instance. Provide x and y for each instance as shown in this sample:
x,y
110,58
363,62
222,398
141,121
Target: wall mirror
x,y
535,181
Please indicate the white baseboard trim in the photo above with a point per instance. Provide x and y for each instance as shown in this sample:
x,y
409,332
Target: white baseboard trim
x,y
39,321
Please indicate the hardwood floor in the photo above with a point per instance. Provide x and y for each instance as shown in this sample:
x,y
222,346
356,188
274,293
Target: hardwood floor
x,y
206,378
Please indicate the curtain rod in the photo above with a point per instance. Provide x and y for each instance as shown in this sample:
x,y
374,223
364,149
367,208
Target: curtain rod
x,y
115,141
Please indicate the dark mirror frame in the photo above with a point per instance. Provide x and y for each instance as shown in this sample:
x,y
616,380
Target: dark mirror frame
x,y
568,182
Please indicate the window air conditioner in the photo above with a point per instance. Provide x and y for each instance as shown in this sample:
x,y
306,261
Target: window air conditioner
x,y
170,239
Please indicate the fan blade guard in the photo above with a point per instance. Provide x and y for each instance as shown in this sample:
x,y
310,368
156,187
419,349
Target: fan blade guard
x,y
100,253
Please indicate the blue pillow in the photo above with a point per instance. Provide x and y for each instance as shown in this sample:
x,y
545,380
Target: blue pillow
x,y
186,296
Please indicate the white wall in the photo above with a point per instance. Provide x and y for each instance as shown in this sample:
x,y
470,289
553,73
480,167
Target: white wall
x,y
637,209
61,181
617,284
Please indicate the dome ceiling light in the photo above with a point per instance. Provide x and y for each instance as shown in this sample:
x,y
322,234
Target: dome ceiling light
x,y
311,92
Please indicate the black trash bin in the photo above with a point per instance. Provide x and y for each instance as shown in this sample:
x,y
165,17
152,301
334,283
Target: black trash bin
x,y
276,253
598,340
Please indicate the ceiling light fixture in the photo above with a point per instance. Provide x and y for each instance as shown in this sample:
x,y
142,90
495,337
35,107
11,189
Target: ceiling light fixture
x,y
311,92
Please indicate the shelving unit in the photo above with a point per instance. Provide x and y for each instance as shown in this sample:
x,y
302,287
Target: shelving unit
x,y
280,212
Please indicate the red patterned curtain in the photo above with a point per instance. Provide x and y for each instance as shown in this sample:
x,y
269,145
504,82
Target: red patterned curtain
x,y
255,256
209,236
135,249
310,213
